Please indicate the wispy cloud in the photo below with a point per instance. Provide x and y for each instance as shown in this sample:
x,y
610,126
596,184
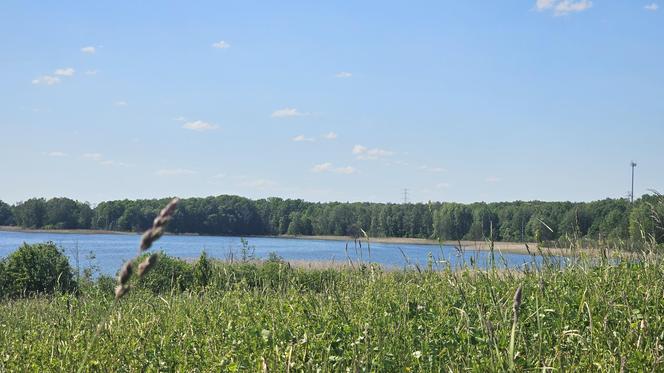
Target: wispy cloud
x,y
66,71
93,156
55,78
364,153
651,7
91,72
175,172
89,50
180,119
287,113
345,170
109,162
343,74
120,103
331,136
56,154
99,158
301,138
200,126
323,167
329,167
492,179
46,80
221,45
442,185
433,169
563,7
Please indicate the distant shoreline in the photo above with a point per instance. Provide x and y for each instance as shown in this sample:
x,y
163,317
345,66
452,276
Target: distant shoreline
x,y
505,247
11,228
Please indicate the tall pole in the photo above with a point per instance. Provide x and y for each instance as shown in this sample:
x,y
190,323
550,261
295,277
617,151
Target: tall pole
x,y
405,196
633,164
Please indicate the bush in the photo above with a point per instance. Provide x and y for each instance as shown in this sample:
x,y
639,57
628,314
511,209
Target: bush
x,y
202,271
167,274
36,269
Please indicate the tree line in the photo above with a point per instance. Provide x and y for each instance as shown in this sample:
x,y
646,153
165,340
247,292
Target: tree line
x,y
615,219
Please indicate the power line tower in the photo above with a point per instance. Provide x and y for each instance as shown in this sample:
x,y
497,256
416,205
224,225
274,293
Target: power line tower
x,y
405,196
631,195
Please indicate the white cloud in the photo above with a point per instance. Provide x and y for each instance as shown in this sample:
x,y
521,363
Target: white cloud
x,y
287,113
544,4
651,7
221,45
200,126
323,167
492,179
345,170
175,172
442,185
432,169
328,167
55,78
46,79
359,149
301,138
66,71
89,50
343,74
365,153
120,103
56,154
331,136
219,176
180,119
93,156
563,7
91,72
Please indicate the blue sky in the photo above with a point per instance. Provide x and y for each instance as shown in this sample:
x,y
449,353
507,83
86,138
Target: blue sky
x,y
351,101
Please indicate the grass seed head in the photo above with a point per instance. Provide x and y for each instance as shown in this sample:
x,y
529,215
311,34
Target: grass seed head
x,y
516,305
148,263
120,291
125,273
150,236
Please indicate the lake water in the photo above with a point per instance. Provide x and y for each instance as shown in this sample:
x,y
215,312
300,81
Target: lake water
x,y
111,250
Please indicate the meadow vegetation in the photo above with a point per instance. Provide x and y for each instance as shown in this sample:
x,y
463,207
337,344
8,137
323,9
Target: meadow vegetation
x,y
210,315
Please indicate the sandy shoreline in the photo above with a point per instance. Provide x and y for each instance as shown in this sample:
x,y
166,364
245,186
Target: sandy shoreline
x,y
505,247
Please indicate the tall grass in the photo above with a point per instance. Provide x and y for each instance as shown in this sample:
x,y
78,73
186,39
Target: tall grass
x,y
587,316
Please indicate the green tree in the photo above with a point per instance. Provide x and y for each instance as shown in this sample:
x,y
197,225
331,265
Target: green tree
x,y
6,214
61,213
452,221
31,213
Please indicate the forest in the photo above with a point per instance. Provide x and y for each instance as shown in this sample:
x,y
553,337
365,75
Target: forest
x,y
519,221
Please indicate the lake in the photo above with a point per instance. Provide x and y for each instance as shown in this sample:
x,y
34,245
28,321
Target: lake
x,y
111,250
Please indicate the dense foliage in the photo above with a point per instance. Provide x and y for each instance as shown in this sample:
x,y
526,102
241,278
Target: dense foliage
x,y
614,219
250,317
35,269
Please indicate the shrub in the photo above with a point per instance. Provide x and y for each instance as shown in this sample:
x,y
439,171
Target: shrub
x,y
167,274
202,271
36,269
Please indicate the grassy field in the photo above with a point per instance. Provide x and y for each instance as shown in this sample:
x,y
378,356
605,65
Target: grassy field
x,y
271,317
